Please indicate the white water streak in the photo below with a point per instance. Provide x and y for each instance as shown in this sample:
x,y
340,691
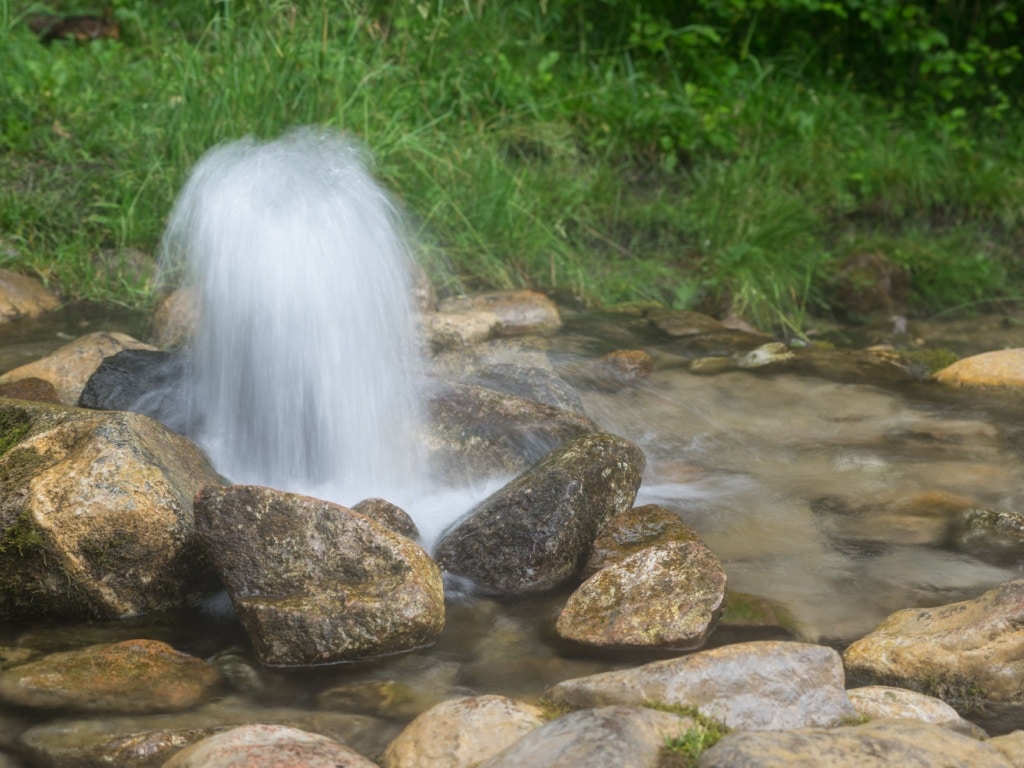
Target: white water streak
x,y
304,370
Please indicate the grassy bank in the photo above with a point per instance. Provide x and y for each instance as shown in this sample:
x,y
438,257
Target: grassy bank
x,y
528,149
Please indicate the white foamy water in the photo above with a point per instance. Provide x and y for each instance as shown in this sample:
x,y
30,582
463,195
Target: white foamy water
x,y
304,372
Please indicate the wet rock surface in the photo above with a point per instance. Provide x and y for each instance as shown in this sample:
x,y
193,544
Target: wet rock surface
x,y
666,596
478,432
96,514
313,582
535,533
634,530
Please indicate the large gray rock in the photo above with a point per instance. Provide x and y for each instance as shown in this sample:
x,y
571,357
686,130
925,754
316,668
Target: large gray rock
x,y
96,513
967,654
535,533
268,746
461,733
313,582
70,367
666,596
879,744
770,685
478,432
132,676
148,741
609,737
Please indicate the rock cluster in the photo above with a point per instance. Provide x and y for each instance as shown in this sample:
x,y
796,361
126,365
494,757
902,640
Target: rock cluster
x,y
107,514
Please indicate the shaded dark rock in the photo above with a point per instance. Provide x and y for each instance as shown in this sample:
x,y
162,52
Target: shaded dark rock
x,y
70,367
313,582
996,536
535,533
146,381
477,432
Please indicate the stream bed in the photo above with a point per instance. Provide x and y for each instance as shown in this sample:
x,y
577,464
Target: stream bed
x,y
826,498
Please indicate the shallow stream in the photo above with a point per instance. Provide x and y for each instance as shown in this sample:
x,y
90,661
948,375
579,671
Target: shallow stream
x,y
827,498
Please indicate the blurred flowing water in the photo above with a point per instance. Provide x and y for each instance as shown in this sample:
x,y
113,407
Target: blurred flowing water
x,y
304,372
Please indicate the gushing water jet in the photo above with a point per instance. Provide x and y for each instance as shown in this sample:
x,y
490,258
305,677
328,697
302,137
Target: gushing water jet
x,y
303,373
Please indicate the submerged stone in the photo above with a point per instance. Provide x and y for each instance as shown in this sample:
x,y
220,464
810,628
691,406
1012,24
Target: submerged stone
x,y
535,533
136,676
313,582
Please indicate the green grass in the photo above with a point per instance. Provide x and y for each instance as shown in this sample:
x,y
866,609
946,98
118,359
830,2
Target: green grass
x,y
525,153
